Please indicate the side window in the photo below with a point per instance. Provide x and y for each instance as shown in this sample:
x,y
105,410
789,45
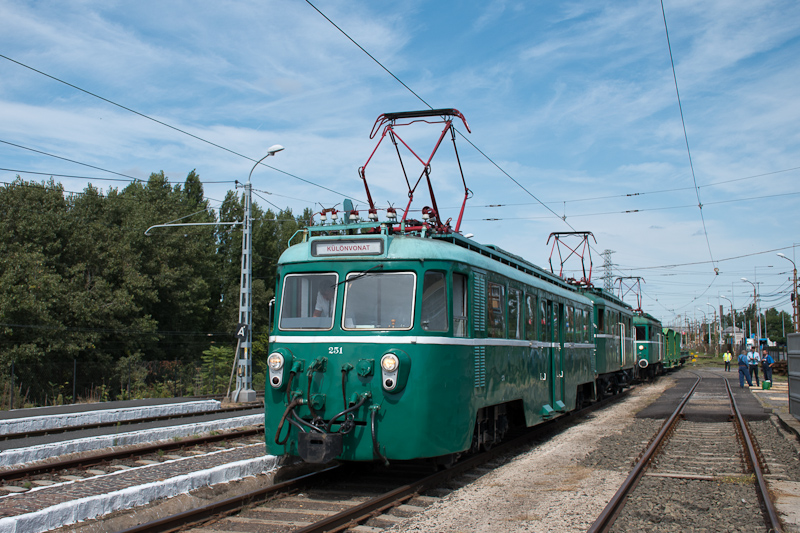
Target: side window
x,y
530,317
543,321
587,325
514,315
601,326
459,305
434,302
497,311
569,326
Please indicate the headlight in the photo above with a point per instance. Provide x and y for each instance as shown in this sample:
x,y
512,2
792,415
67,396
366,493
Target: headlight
x,y
389,362
275,361
641,347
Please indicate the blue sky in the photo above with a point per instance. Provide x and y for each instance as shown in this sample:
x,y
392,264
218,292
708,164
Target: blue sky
x,y
574,100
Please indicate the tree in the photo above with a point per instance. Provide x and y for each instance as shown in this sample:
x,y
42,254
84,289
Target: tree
x,y
779,324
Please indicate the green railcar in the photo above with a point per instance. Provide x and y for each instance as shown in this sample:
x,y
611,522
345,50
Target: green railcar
x,y
672,348
649,345
394,344
615,357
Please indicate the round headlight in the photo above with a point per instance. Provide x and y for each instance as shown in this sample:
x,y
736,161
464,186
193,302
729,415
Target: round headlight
x,y
275,361
641,347
389,362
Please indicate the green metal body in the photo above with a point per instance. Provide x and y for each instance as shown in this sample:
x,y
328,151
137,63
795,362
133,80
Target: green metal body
x,y
672,348
535,364
613,333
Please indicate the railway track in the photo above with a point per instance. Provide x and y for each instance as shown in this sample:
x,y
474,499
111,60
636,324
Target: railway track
x,y
704,445
344,498
59,468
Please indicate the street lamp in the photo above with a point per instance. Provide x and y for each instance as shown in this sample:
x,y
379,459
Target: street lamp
x,y
795,316
758,314
705,318
244,357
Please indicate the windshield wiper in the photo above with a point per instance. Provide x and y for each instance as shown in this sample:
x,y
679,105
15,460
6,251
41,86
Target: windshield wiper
x,y
362,274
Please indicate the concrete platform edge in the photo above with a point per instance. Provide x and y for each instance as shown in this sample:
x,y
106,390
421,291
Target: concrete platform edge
x,y
95,506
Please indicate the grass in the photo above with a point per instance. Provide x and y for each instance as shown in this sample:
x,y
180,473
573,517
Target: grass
x,y
747,479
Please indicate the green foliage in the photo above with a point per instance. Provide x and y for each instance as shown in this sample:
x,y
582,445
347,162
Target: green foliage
x,y
216,369
82,287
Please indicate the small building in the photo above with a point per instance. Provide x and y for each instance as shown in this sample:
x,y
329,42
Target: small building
x,y
733,335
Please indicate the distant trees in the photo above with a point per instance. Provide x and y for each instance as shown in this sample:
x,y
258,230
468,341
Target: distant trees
x,y
778,324
80,283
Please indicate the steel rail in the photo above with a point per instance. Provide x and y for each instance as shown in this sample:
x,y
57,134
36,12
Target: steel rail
x,y
755,464
67,429
363,511
350,517
94,459
606,519
229,505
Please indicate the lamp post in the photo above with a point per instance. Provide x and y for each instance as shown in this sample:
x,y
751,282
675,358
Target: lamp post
x,y
705,319
244,356
795,317
758,317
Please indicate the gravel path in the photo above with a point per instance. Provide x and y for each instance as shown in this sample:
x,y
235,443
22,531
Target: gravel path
x,y
561,484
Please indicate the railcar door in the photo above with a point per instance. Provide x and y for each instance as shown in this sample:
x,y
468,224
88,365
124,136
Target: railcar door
x,y
556,341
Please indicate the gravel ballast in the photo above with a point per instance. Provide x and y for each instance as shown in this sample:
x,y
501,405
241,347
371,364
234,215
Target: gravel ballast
x,y
552,487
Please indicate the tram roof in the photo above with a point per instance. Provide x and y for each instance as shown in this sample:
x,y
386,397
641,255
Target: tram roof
x,y
447,247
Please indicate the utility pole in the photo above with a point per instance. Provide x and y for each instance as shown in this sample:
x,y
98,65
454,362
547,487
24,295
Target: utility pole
x,y
733,321
795,317
758,317
244,357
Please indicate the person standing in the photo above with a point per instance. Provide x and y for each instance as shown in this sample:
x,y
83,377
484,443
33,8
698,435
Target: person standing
x,y
753,359
766,363
726,357
744,370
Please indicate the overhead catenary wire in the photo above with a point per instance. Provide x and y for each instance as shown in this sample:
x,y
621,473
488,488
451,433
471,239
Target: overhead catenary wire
x,y
495,164
685,135
69,160
634,194
168,126
642,210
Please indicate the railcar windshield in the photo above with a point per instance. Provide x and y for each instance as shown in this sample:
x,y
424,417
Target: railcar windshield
x,y
382,300
308,301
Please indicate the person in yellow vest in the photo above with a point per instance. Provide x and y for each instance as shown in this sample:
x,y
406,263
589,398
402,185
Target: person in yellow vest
x,y
726,357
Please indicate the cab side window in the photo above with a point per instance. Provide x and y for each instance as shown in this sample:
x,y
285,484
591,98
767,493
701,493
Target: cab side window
x,y
434,302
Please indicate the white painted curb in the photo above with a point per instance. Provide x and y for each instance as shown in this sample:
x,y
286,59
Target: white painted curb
x,y
43,422
94,506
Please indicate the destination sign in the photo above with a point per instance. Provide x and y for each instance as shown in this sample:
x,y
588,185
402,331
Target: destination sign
x,y
347,247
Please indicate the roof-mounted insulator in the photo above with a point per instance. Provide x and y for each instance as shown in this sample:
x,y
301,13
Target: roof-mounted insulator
x,y
428,213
